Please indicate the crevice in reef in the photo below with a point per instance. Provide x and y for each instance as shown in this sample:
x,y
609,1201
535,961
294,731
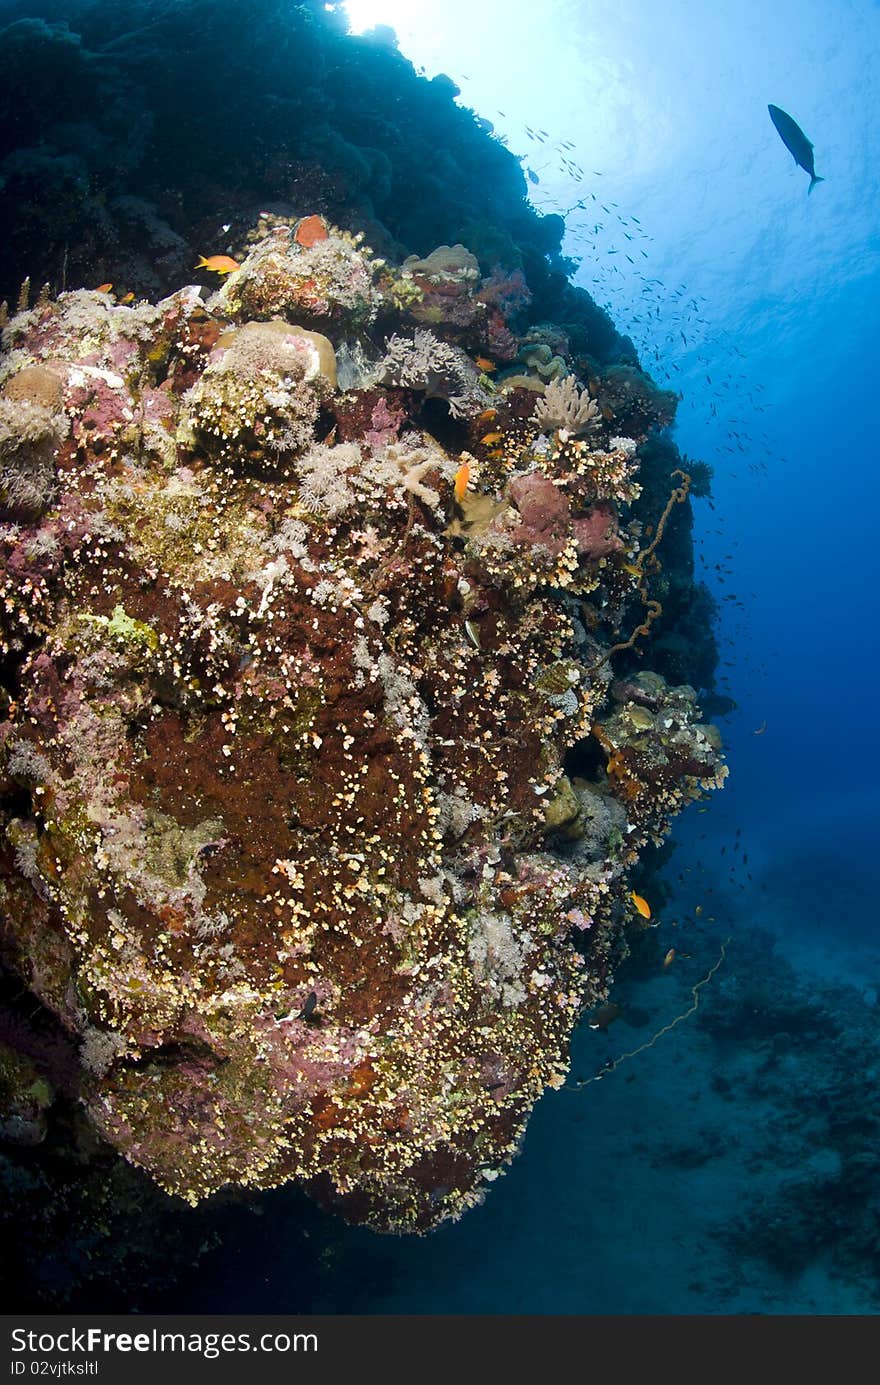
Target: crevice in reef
x,y
586,759
173,1054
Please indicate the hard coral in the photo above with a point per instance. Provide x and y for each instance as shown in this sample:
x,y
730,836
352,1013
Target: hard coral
x,y
259,394
633,401
30,433
445,281
325,279
660,755
287,837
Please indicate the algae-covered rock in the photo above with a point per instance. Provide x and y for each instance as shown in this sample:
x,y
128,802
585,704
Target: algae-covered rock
x,y
289,843
25,1097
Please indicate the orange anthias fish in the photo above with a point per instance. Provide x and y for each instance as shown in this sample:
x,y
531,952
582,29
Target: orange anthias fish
x,y
641,904
220,264
461,482
103,288
669,958
485,365
492,437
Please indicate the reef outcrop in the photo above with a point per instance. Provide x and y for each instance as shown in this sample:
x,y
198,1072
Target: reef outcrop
x,y
317,794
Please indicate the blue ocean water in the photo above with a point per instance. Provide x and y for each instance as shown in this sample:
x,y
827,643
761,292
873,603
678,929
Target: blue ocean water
x,y
716,1150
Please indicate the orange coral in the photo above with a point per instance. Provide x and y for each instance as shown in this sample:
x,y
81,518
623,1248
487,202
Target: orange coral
x,y
310,230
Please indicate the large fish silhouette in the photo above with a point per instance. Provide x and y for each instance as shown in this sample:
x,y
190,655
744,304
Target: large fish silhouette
x,y
796,143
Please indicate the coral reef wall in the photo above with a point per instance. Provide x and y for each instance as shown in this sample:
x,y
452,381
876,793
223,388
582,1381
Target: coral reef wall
x,y
178,130
326,749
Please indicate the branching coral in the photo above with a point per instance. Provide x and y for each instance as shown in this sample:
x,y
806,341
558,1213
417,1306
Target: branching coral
x,y
333,480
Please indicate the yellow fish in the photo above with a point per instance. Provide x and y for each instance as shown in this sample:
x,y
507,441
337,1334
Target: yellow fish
x,y
127,298
461,481
632,570
669,958
641,904
220,264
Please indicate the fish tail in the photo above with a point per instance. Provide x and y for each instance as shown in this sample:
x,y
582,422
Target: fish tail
x,y
813,181
202,261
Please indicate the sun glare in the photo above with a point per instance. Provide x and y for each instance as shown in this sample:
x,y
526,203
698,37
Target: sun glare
x,y
398,14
